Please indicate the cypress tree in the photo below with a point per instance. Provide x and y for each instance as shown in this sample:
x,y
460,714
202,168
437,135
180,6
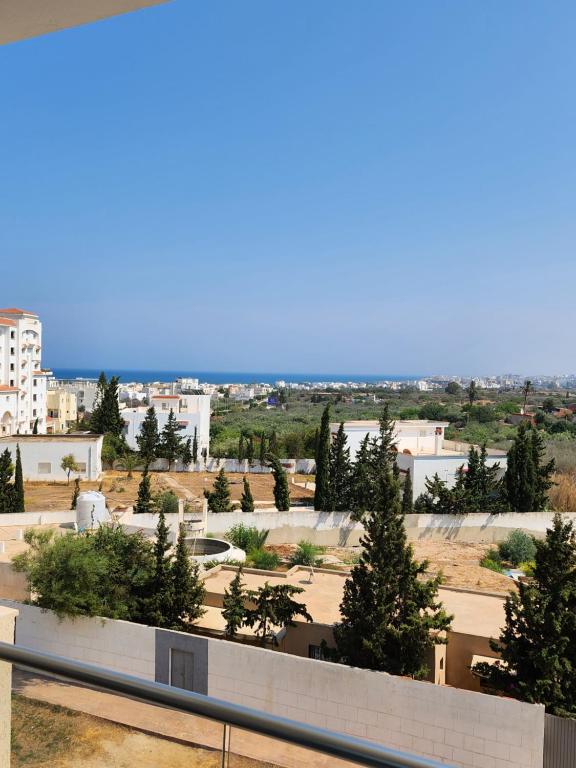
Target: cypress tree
x,y
148,438
233,609
520,477
390,613
170,440
407,505
19,504
6,486
241,451
219,496
75,493
273,444
247,500
262,454
187,588
322,480
250,450
144,501
361,495
538,641
195,446
340,472
187,453
106,418
162,593
281,489
543,471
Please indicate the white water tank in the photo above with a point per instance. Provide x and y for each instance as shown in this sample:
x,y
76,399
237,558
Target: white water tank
x,y
91,510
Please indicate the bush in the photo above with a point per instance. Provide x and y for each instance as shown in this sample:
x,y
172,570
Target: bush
x,y
307,553
166,502
493,565
246,537
493,554
527,568
517,548
264,560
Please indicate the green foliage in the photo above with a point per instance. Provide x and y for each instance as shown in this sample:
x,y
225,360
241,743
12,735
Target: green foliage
x,y
517,547
453,388
106,418
19,504
528,475
166,502
148,438
322,499
170,446
538,642
195,446
219,496
493,565
407,505
281,488
340,472
246,537
390,613
186,455
144,501
187,588
75,493
263,559
233,606
69,464
246,500
274,609
307,553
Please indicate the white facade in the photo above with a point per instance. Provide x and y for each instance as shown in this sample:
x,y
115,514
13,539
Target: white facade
x,y
22,380
42,455
421,448
191,411
83,389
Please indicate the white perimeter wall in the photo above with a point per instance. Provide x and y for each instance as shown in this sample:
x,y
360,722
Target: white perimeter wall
x,y
51,451
463,728
118,645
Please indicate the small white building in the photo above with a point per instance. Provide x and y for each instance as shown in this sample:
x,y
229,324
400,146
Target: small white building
x,y
191,411
421,448
42,455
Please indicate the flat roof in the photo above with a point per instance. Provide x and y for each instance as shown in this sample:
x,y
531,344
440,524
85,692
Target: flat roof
x,y
375,424
474,613
49,438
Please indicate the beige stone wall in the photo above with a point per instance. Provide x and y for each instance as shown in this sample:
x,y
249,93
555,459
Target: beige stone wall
x,y
13,585
7,618
461,649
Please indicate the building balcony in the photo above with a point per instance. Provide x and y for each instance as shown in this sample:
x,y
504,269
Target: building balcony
x,y
197,729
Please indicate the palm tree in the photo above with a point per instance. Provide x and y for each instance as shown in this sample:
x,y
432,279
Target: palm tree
x,y
129,462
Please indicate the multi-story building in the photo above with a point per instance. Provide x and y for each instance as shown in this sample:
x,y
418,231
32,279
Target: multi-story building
x,y
62,411
22,380
84,391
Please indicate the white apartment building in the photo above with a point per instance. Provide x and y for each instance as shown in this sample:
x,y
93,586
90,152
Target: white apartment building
x,y
83,389
191,411
421,448
62,411
22,380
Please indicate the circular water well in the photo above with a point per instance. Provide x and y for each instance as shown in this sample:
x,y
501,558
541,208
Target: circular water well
x,y
205,550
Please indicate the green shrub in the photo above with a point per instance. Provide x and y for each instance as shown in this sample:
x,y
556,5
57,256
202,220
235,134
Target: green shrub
x,y
264,560
307,553
517,548
493,565
493,554
246,537
527,567
166,502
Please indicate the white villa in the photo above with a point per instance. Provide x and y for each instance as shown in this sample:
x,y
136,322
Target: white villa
x,y
22,380
422,449
191,411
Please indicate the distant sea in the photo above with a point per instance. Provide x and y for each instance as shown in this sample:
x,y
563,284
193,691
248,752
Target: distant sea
x,y
224,377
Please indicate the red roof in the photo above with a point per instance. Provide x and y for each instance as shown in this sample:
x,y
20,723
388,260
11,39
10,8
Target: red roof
x,y
6,321
6,388
16,311
165,397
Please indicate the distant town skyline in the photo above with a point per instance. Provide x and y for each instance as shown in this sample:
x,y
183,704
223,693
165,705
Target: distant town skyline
x,y
326,187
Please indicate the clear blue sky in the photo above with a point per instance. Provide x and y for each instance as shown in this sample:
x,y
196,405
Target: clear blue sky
x,y
371,187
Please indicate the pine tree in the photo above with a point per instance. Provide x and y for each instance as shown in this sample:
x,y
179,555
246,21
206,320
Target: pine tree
x,y
233,606
6,486
390,613
144,502
340,472
187,453
75,493
538,641
170,440
161,603
219,496
407,505
281,489
19,503
148,439
322,479
247,500
195,446
187,588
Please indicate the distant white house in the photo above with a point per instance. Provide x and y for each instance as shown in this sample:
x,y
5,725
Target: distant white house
x,y
421,448
42,455
191,411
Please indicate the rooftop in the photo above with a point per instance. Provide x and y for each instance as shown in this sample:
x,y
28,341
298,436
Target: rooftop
x,y
15,310
50,438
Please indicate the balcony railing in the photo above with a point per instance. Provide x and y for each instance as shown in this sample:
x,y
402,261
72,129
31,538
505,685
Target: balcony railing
x,y
301,735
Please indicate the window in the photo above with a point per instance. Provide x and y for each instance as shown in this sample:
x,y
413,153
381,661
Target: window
x,y
44,468
35,382
12,334
315,652
11,382
81,466
11,366
34,397
34,412
11,350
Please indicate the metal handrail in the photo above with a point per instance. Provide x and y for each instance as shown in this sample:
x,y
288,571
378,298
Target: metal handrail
x,y
308,736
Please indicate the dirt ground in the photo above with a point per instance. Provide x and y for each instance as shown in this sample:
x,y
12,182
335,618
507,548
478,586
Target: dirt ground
x,y
116,486
48,735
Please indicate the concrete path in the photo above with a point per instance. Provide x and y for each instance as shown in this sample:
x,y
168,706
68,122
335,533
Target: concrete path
x,y
166,723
